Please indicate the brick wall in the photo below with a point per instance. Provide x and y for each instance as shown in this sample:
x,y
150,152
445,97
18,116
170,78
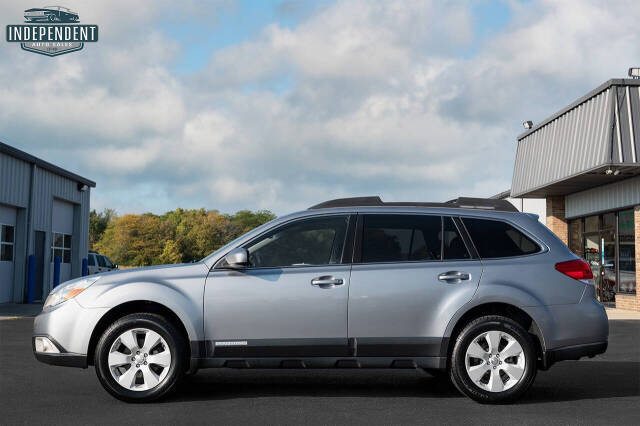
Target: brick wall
x,y
556,217
632,301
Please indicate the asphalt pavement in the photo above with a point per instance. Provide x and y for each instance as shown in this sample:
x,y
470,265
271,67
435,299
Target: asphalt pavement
x,y
601,391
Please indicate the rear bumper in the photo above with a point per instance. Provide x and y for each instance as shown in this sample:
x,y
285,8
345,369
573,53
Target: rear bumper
x,y
64,358
575,352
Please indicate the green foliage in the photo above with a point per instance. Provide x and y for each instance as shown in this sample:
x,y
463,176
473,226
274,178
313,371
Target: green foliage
x,y
171,253
98,224
177,236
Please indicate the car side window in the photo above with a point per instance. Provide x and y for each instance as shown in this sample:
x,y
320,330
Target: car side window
x,y
495,238
453,245
107,262
92,260
306,242
399,238
101,262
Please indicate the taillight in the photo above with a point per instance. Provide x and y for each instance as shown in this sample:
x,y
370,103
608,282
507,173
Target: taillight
x,y
577,269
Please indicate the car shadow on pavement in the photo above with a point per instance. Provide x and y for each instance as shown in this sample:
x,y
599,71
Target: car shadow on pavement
x,y
567,381
231,384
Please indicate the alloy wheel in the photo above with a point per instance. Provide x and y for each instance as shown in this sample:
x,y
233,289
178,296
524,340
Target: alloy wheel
x,y
495,361
139,359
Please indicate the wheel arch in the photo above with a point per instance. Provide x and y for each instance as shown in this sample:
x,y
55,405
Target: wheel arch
x,y
131,307
508,310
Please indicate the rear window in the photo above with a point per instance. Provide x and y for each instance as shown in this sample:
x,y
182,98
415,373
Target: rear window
x,y
399,238
494,238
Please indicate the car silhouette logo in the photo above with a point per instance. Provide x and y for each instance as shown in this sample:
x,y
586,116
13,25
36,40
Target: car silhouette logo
x,y
51,14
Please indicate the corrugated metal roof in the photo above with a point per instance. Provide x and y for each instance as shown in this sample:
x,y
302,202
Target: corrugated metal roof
x,y
571,150
14,152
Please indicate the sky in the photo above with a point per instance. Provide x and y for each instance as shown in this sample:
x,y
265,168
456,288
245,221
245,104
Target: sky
x,y
282,104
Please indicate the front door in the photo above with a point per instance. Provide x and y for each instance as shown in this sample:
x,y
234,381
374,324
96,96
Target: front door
x,y
600,253
413,273
292,298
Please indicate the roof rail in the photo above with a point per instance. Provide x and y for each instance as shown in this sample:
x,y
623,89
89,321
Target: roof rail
x,y
459,203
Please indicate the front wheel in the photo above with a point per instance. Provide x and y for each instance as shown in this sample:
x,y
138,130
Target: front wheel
x,y
140,357
494,360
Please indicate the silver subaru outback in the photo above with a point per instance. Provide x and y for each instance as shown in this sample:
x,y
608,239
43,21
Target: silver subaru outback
x,y
471,289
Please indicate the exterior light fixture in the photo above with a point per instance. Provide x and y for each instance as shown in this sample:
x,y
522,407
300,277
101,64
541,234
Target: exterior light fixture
x,y
634,72
82,187
609,171
616,173
527,124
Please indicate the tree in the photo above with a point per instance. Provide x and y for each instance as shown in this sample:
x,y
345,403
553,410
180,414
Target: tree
x,y
171,253
176,236
98,223
248,220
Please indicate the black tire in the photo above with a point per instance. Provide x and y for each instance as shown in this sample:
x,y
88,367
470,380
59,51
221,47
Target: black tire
x,y
458,371
175,342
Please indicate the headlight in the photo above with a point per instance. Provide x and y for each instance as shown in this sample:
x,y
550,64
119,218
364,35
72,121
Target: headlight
x,y
68,291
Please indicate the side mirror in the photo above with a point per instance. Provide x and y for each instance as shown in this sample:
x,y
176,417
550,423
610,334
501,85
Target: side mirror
x,y
115,266
237,258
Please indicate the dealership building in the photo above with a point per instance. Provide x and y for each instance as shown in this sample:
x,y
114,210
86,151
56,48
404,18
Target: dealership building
x,y
584,161
44,213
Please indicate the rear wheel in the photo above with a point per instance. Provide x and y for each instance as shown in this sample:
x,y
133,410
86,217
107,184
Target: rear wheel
x,y
140,357
494,360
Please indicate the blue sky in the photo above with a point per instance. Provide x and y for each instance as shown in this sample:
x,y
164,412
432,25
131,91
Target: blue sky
x,y
282,104
237,22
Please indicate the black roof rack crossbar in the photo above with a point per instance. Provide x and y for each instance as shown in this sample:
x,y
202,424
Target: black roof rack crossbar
x,y
459,203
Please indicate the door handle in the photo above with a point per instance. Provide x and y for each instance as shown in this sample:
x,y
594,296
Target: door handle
x,y
454,276
327,281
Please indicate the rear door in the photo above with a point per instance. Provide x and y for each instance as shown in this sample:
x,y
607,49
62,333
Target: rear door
x,y
412,273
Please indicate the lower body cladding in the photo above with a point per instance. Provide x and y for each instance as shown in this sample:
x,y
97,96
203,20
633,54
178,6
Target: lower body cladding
x,y
323,353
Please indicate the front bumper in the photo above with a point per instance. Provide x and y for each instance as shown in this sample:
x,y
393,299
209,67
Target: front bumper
x,y
69,327
63,358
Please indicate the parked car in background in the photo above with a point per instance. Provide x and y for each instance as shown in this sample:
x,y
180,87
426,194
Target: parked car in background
x,y
50,14
471,289
99,263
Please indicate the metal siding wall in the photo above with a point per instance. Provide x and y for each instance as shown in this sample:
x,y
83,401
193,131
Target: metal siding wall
x,y
617,195
572,143
49,186
15,176
15,180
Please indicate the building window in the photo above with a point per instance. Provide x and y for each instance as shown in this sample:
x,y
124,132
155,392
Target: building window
x,y
592,223
575,236
61,247
609,221
7,239
627,252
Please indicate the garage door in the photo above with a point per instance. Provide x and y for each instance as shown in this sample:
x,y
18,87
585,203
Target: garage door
x,y
62,230
7,252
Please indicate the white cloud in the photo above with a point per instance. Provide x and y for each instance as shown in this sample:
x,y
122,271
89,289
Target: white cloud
x,y
360,98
